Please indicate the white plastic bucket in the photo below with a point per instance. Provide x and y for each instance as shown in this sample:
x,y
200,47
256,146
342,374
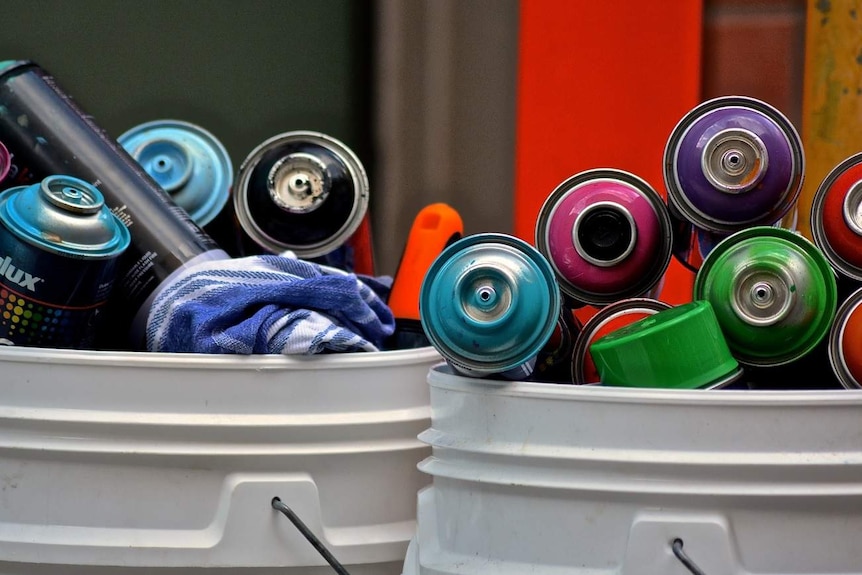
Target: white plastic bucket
x,y
551,479
168,463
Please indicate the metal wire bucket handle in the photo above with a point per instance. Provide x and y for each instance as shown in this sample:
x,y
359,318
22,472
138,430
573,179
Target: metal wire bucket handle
x,y
278,505
676,545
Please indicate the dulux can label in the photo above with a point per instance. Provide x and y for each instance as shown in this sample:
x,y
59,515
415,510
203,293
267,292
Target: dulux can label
x,y
489,303
59,246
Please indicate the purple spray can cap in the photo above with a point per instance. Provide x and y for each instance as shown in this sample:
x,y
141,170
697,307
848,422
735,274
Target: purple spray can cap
x,y
733,162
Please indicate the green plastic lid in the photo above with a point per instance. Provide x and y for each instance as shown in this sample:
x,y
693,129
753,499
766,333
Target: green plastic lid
x,y
773,292
680,348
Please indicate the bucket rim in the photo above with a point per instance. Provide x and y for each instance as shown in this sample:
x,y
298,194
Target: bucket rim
x,y
441,377
181,361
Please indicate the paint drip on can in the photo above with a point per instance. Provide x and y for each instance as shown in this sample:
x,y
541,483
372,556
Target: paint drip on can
x,y
773,292
607,235
608,319
59,248
308,193
489,303
679,348
730,163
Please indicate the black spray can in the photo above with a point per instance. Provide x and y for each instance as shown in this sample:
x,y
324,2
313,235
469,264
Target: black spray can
x,y
308,193
46,130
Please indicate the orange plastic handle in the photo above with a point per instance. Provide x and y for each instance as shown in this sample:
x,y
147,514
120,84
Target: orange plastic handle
x,y
434,227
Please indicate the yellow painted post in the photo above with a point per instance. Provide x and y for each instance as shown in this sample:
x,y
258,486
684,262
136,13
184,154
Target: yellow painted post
x,y
832,93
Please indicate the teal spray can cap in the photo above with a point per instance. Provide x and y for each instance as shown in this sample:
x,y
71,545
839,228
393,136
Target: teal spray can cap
x,y
489,303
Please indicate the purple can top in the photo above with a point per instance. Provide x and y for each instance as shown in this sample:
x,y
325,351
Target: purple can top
x,y
5,162
586,276
765,201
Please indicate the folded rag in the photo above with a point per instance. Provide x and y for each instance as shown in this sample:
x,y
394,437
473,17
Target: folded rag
x,y
268,304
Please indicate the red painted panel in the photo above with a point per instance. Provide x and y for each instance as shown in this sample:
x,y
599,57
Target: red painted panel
x,y
602,84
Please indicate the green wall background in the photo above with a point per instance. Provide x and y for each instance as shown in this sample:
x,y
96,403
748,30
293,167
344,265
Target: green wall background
x,y
245,70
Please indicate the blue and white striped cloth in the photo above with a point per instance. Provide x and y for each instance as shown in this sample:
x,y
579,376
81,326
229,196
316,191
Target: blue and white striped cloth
x,y
273,304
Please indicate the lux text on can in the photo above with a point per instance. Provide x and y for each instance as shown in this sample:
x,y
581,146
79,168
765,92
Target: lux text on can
x,y
59,248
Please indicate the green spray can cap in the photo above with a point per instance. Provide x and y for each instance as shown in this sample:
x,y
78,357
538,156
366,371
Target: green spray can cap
x,y
680,348
773,291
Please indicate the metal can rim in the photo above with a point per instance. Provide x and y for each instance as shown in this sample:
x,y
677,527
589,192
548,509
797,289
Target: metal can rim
x,y
491,368
660,263
599,319
208,210
122,235
354,167
836,333
798,241
818,233
679,200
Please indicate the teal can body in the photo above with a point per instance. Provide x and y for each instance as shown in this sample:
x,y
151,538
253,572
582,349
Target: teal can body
x,y
59,247
489,303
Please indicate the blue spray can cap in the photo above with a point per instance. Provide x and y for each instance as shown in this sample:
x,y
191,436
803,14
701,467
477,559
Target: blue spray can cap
x,y
187,161
489,303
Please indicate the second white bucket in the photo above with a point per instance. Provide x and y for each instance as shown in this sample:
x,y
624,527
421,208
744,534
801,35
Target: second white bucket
x,y
551,479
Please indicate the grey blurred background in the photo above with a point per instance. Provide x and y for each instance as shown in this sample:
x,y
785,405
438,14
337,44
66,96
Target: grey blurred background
x,y
422,90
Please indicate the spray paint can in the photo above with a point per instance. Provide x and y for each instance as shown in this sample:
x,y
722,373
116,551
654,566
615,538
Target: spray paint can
x,y
836,218
730,163
773,292
606,320
607,235
59,248
489,304
187,161
194,168
306,192
679,348
845,342
46,131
